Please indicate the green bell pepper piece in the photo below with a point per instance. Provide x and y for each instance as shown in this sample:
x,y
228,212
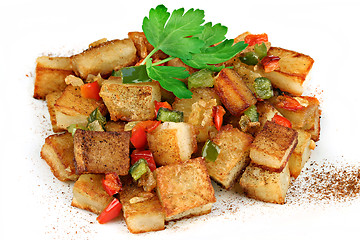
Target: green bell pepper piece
x,y
252,113
210,151
263,88
138,169
202,78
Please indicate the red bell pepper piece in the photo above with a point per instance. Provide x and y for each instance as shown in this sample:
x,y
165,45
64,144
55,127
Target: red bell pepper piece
x,y
270,63
288,103
281,121
138,133
111,183
218,115
159,105
136,155
110,212
90,90
253,39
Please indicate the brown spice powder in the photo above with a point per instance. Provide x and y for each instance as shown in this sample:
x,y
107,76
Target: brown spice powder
x,y
326,182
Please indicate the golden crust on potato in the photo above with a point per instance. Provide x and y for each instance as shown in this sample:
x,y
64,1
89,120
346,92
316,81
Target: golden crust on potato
x,y
293,70
265,185
142,210
50,74
104,58
272,146
102,152
130,102
89,194
172,142
233,156
233,92
185,189
58,152
72,108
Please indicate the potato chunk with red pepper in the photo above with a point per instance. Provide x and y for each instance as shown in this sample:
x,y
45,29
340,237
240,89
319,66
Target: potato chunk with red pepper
x,y
72,108
233,92
185,189
89,194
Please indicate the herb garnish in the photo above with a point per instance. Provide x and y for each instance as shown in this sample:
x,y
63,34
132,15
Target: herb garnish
x,y
182,35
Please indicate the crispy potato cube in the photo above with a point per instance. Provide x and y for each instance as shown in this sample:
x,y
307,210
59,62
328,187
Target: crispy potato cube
x,y
50,101
104,58
301,153
233,156
293,70
89,194
265,185
273,146
306,118
201,117
172,142
50,75
185,189
102,152
185,105
58,152
130,102
233,92
72,108
142,210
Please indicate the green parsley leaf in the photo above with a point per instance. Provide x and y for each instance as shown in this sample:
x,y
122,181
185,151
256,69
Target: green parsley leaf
x,y
210,54
167,77
171,33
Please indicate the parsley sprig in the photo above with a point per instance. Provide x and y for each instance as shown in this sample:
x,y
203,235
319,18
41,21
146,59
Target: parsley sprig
x,y
183,35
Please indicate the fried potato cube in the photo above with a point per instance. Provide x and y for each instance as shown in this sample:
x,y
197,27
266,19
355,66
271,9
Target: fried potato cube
x,y
201,117
102,152
172,142
142,210
104,58
265,185
58,152
247,73
272,146
185,105
50,74
50,101
89,194
72,108
130,102
185,189
306,118
233,92
301,153
233,157
293,70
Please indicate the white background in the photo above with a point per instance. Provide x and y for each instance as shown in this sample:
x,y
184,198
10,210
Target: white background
x,y
35,204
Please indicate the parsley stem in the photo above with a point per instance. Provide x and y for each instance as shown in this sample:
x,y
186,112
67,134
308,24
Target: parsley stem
x,y
149,56
163,61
